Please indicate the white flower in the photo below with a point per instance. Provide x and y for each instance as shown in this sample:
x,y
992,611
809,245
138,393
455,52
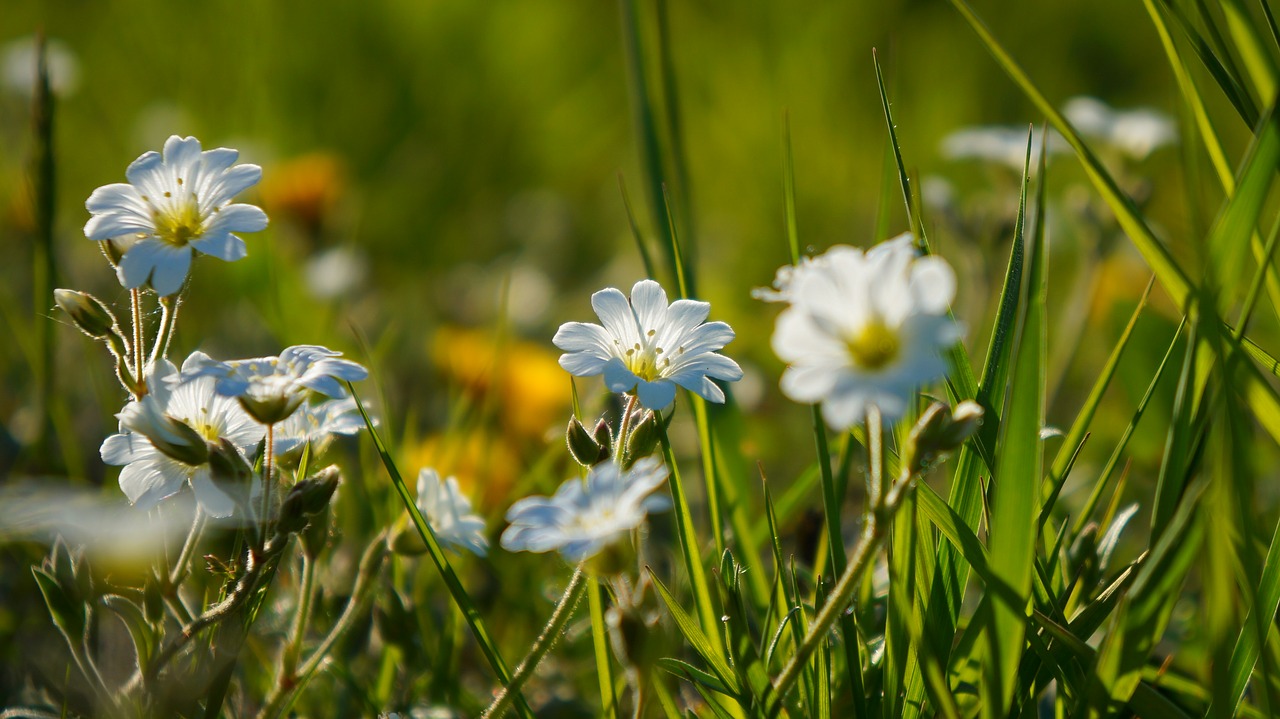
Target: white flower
x,y
864,328
317,423
584,517
649,347
20,58
448,511
150,474
174,205
271,388
1003,145
1134,132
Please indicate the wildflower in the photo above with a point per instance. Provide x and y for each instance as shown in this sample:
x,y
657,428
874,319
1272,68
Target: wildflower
x,y
1136,133
157,442
1002,145
648,347
585,517
271,388
863,328
174,205
317,423
448,511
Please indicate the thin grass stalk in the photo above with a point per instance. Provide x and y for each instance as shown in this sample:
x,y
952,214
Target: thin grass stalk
x,y
600,644
43,267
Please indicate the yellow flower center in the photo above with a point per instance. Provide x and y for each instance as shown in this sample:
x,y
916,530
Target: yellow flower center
x,y
873,346
179,224
647,360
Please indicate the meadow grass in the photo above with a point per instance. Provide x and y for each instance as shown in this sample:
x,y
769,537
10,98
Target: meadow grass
x,y
1073,517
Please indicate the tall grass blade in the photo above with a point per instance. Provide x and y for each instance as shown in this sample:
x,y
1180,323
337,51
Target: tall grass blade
x,y
456,591
1016,486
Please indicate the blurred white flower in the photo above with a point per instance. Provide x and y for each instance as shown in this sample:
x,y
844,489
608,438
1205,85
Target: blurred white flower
x,y
584,517
152,427
19,66
317,423
174,205
335,272
999,144
271,388
863,328
1136,133
448,511
648,347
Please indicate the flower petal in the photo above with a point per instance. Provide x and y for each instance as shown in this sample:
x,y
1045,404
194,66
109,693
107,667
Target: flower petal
x,y
615,314
657,395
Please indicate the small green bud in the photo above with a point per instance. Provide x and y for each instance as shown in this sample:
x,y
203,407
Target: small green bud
x,y
90,315
274,409
316,535
940,431
643,440
584,448
406,541
308,498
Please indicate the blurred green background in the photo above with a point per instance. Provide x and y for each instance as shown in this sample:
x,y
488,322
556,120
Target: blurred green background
x,y
443,184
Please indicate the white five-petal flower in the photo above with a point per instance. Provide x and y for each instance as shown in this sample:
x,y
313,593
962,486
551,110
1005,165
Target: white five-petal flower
x,y
864,328
173,205
271,388
150,475
448,511
585,517
648,347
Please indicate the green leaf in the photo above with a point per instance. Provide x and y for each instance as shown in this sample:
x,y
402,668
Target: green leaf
x,y
144,639
1016,485
456,591
698,640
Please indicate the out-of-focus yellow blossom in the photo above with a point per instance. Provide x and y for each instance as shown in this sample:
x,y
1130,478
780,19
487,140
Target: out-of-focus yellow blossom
x,y
523,378
304,189
485,465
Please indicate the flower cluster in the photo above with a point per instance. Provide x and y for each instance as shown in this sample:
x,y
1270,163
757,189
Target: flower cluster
x,y
162,443
863,329
271,388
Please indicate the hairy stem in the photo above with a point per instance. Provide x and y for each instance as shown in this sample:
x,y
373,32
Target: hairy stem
x,y
288,686
555,626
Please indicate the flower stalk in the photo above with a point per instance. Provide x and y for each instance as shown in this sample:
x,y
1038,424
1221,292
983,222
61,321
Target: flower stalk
x,y
555,627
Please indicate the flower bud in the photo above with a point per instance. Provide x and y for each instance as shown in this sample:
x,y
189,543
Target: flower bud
x,y
940,431
406,541
175,439
272,409
643,440
308,498
90,315
584,447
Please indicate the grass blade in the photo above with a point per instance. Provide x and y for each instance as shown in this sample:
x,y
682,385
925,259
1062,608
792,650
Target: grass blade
x,y
456,591
1016,485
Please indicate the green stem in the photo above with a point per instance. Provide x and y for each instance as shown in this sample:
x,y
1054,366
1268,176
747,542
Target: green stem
x,y
283,693
268,487
135,304
555,627
624,428
168,319
301,618
179,572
